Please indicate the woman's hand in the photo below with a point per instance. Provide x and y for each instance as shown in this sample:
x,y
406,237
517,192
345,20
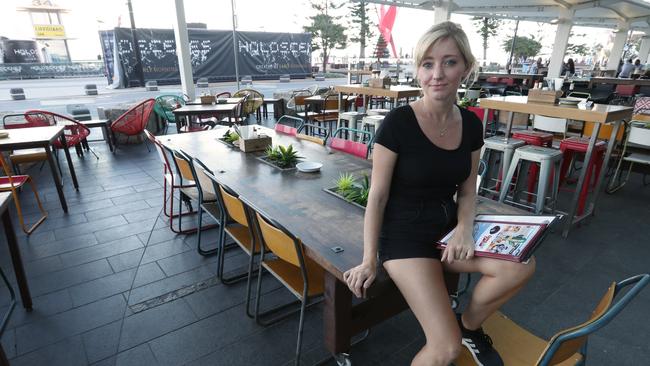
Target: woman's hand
x,y
459,247
360,277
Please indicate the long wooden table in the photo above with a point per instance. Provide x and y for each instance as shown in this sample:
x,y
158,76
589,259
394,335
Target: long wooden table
x,y
297,201
187,111
618,81
42,137
483,76
598,113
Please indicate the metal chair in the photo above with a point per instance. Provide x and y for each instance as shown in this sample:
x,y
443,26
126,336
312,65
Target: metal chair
x,y
299,274
360,149
165,104
638,135
517,346
282,125
133,122
310,133
74,132
13,183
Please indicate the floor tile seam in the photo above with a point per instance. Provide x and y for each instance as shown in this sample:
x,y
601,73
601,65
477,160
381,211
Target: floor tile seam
x,y
47,293
80,249
45,316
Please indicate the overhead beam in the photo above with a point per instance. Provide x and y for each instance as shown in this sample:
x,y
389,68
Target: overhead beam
x,y
563,4
594,4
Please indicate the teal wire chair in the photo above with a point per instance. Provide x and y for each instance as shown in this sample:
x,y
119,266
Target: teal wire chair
x,y
164,106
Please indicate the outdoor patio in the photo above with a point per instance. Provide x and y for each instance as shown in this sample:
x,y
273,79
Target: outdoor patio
x,y
115,246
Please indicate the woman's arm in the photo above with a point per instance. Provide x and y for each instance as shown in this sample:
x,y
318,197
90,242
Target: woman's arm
x,y
461,244
364,274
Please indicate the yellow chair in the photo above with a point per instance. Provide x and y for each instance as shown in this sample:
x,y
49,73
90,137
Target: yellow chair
x,y
11,183
307,131
235,223
518,347
299,274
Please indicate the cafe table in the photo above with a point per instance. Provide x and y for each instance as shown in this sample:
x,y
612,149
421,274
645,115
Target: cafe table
x,y
617,81
42,137
598,113
187,111
231,100
331,229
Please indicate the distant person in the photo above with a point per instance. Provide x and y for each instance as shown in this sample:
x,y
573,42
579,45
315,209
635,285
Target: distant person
x,y
626,69
569,68
638,68
534,68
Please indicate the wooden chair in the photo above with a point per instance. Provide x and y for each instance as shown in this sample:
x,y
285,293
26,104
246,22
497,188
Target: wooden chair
x,y
307,132
299,274
328,113
12,183
235,222
207,197
518,347
24,156
187,189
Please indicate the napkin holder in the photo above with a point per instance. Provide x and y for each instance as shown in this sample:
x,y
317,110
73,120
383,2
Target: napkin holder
x,y
251,140
207,99
543,96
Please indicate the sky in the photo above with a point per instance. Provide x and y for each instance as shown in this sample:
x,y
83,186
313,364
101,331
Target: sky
x,y
86,17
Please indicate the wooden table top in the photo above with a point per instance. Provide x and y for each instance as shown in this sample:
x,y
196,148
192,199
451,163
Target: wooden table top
x,y
296,200
619,81
24,138
505,75
601,113
205,108
395,91
197,101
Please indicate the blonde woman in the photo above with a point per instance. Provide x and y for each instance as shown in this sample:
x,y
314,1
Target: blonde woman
x,y
425,153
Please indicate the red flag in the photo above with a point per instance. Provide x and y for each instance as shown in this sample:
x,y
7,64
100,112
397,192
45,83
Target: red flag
x,y
386,20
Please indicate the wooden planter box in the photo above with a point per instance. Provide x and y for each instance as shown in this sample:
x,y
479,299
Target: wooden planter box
x,y
333,192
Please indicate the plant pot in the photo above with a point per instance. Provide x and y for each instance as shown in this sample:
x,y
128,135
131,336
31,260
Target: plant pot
x,y
227,143
265,160
333,192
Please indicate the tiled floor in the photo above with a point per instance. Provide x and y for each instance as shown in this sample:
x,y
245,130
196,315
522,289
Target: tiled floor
x,y
94,272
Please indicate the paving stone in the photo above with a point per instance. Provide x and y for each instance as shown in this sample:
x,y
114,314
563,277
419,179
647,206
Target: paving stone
x,y
43,306
137,356
69,277
197,339
31,252
67,352
141,215
70,323
116,210
101,343
184,262
170,284
9,342
96,226
146,325
123,231
100,251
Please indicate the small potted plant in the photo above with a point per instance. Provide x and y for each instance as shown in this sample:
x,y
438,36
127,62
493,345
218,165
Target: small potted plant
x,y
281,157
351,190
229,138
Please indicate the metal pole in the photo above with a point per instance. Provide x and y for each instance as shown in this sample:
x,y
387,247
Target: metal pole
x,y
138,58
512,48
234,41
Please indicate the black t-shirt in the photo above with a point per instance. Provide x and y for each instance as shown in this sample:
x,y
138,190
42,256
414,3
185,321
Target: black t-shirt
x,y
424,171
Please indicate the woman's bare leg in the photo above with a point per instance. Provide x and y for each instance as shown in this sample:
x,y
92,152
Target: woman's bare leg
x,y
499,282
421,282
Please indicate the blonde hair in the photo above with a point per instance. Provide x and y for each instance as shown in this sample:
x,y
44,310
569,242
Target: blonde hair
x,y
445,30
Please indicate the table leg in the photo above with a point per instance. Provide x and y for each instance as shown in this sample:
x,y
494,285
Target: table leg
x,y
107,137
69,159
485,121
581,180
17,261
337,315
603,170
511,117
56,177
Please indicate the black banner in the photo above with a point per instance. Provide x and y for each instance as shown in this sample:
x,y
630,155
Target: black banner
x,y
107,40
261,55
37,71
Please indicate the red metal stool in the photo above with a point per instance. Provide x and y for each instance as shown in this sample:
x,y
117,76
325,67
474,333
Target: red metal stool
x,y
569,148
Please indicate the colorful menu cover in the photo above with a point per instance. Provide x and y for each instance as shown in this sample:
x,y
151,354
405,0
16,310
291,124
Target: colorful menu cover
x,y
508,237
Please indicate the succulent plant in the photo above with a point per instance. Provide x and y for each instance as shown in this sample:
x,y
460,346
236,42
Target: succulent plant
x,y
282,156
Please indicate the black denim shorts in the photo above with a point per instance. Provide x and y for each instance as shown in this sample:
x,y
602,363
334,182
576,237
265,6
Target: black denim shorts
x,y
411,229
